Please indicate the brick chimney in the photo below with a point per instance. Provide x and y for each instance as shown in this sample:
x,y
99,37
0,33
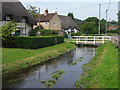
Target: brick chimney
x,y
46,11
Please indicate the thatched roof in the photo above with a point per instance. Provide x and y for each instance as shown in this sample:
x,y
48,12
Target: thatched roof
x,y
17,11
67,22
45,18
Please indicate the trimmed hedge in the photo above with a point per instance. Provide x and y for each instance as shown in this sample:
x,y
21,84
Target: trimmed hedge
x,y
34,42
43,32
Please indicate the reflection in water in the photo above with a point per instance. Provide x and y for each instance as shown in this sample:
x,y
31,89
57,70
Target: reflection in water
x,y
42,72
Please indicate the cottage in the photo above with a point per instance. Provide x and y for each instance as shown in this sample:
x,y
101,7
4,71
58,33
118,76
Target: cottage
x,y
53,21
17,12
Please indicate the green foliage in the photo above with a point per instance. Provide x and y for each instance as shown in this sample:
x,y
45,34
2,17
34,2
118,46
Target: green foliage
x,y
34,42
103,26
55,75
71,15
48,84
16,57
102,70
6,31
43,32
113,31
48,32
33,10
75,34
89,28
81,57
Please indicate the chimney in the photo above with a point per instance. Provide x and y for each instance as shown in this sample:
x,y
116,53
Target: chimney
x,y
46,11
55,11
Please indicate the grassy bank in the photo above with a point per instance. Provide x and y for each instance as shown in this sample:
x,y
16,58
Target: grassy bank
x,y
14,59
102,70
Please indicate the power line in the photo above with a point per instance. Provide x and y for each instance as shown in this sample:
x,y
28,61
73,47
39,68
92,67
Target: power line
x,y
109,5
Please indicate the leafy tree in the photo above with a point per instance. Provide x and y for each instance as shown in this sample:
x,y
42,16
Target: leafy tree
x,y
92,19
71,15
103,26
33,10
89,28
6,33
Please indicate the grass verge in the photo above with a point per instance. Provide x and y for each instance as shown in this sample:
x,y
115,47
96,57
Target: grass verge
x,y
14,59
102,70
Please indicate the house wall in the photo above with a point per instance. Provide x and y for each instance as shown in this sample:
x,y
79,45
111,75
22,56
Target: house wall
x,y
25,26
43,24
55,19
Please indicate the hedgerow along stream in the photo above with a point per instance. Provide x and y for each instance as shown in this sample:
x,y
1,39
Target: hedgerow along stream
x,y
71,63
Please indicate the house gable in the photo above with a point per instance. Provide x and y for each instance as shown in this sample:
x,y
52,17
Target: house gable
x,y
55,23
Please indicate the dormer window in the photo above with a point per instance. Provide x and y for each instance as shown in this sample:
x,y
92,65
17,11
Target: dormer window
x,y
8,18
23,20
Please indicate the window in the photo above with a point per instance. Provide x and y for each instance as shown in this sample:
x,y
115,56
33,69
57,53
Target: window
x,y
45,23
23,20
54,23
7,17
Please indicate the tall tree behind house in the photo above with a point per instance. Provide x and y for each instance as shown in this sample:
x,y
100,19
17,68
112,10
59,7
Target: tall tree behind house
x,y
71,15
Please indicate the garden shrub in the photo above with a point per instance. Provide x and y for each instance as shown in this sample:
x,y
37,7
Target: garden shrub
x,y
34,42
43,32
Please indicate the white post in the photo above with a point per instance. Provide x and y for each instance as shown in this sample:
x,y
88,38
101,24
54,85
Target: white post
x,y
102,40
85,40
94,40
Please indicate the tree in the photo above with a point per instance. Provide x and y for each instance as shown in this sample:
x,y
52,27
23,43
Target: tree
x,y
103,26
92,19
89,28
6,33
71,15
33,10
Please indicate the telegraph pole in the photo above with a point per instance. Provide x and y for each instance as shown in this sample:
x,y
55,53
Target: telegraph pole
x,y
106,20
99,18
39,18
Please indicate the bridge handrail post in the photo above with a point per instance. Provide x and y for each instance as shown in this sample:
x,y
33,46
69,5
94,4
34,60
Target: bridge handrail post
x,y
103,40
94,40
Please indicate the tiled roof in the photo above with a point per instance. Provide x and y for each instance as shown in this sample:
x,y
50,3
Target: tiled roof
x,y
45,18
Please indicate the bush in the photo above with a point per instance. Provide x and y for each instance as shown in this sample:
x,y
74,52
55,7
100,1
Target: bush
x,y
43,32
34,42
75,34
113,31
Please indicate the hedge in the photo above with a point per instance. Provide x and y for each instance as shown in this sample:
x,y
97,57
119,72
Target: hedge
x,y
34,42
43,32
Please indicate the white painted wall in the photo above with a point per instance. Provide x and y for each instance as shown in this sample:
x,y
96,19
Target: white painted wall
x,y
23,25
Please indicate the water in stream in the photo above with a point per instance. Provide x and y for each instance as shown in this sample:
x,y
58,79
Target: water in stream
x,y
42,72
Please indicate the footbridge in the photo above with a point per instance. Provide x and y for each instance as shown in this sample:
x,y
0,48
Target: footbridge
x,y
91,40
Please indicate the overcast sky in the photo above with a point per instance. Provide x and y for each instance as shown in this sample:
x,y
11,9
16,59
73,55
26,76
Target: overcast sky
x,y
80,8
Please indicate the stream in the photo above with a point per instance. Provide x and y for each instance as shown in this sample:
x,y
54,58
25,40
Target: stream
x,y
42,72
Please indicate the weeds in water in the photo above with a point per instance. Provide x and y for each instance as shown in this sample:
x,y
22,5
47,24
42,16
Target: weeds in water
x,y
78,60
43,81
55,75
81,57
48,84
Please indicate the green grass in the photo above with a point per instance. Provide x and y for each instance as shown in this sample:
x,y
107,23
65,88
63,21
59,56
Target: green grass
x,y
103,69
14,58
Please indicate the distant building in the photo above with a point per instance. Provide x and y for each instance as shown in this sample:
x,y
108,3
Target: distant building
x,y
113,28
53,21
16,11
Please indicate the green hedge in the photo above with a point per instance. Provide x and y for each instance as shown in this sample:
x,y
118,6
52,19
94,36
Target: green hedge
x,y
43,32
34,42
113,31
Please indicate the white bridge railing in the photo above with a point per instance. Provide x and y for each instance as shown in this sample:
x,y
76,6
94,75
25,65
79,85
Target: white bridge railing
x,y
90,39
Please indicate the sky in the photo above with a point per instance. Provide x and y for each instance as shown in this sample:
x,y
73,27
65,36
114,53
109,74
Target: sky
x,y
81,9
